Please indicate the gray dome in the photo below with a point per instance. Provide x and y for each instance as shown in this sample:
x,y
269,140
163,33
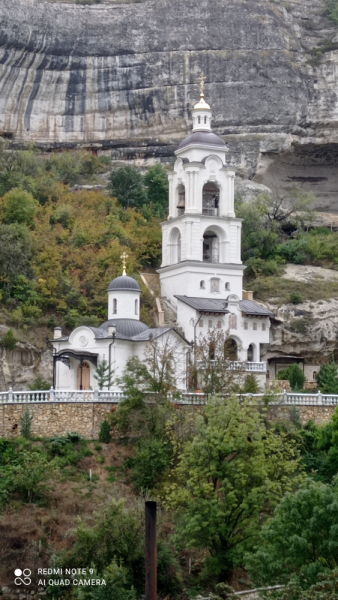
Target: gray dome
x,y
124,283
127,327
206,138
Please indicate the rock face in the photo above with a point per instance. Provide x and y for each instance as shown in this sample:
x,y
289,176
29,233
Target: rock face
x,y
124,76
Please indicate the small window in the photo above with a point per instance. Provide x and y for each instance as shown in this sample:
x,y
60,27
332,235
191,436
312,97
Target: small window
x,y
201,323
227,286
202,285
255,326
219,324
205,119
114,306
199,119
210,323
214,284
246,325
263,326
314,375
136,307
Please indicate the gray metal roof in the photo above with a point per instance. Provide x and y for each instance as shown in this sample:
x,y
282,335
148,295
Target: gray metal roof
x,y
125,327
207,138
124,283
149,334
210,305
249,307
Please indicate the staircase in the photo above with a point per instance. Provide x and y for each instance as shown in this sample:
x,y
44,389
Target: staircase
x,y
152,281
3,386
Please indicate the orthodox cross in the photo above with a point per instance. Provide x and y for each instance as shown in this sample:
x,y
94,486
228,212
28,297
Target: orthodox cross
x,y
202,80
124,257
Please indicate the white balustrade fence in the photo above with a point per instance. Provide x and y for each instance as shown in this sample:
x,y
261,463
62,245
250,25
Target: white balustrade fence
x,y
197,398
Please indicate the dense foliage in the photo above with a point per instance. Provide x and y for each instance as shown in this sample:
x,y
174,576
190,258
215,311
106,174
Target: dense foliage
x,y
60,248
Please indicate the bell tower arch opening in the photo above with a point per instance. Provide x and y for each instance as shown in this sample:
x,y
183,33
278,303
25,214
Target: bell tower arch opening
x,y
210,202
180,204
211,248
175,245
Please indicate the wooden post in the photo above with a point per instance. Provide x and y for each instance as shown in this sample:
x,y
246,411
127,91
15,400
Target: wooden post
x,y
151,552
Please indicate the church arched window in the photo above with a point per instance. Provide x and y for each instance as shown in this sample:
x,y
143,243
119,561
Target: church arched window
x,y
219,324
114,306
263,326
201,323
199,119
246,325
255,326
210,324
136,307
227,286
205,119
202,285
232,321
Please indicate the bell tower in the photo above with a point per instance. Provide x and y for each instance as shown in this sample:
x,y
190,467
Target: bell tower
x,y
201,239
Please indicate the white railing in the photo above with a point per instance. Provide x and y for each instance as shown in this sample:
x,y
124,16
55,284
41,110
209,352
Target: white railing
x,y
114,397
237,365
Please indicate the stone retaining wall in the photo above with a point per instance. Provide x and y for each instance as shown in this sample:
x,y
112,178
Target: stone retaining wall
x,y
55,418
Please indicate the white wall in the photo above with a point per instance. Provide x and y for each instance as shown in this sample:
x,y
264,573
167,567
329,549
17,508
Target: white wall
x,y
125,304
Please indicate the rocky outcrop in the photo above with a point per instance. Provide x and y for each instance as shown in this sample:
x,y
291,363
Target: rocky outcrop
x,y
124,76
20,367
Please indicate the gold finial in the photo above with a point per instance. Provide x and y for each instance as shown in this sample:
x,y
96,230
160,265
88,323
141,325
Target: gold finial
x,y
124,257
202,80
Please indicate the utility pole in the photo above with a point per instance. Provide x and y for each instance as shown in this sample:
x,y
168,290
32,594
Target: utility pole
x,y
151,551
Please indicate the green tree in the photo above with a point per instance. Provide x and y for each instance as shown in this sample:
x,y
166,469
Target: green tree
x,y
15,253
150,463
26,419
294,375
103,375
300,542
19,206
327,378
250,385
156,182
233,471
325,589
9,341
127,186
117,585
105,432
259,236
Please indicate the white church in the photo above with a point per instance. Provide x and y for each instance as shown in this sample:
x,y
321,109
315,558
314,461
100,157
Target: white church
x,y
201,278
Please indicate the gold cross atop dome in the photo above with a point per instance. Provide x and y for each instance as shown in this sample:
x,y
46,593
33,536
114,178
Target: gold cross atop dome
x,y
202,80
124,257
202,105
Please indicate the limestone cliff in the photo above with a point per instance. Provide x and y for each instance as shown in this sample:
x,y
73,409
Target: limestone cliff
x,y
124,76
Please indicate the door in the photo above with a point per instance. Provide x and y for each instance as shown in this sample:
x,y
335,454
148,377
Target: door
x,y
83,376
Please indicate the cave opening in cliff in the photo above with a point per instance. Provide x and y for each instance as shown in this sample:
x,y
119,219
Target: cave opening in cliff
x,y
312,167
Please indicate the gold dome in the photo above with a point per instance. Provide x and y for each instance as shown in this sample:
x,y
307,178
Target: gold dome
x,y
202,104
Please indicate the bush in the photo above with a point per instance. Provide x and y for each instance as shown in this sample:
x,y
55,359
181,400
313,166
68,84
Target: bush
x,y
105,435
9,341
117,585
26,419
301,325
296,298
40,383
